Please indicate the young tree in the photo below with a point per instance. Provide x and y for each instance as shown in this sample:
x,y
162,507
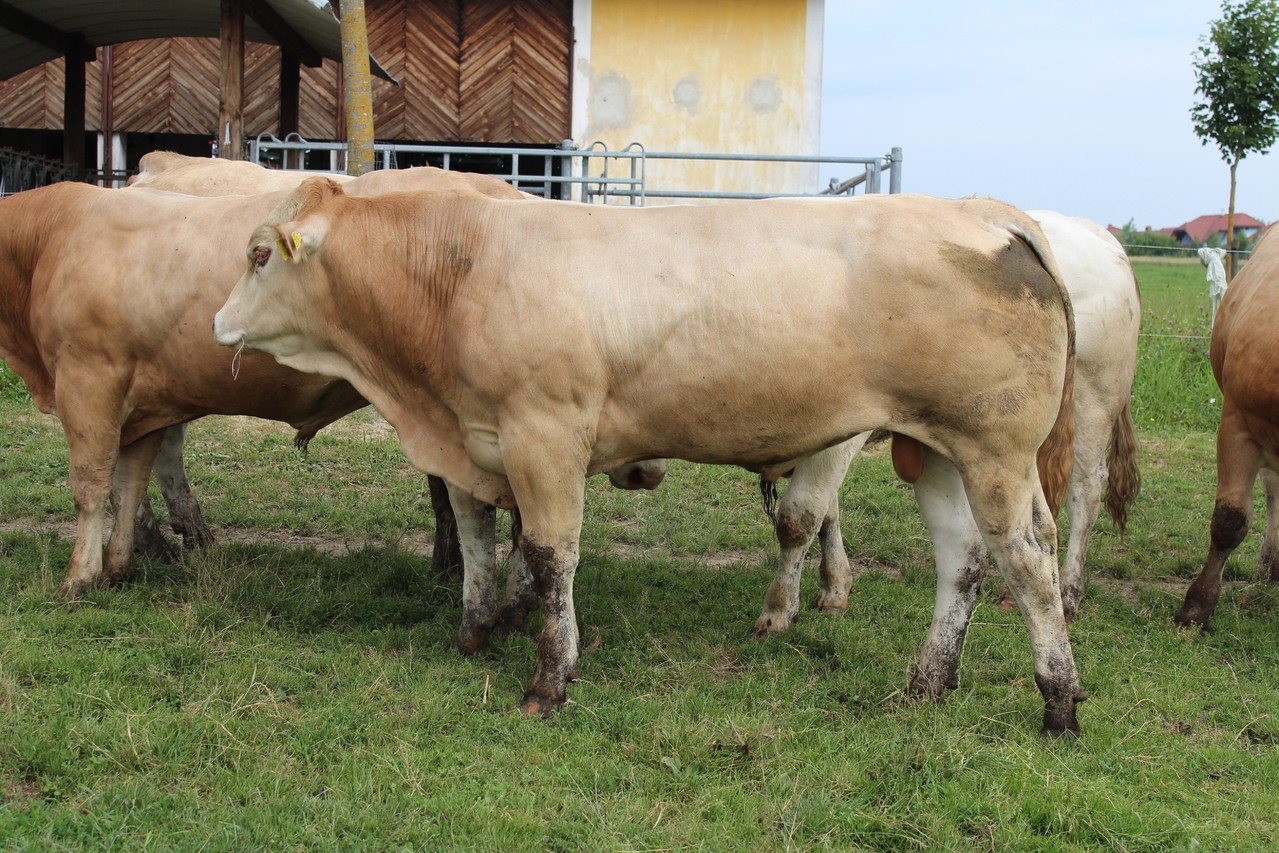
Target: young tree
x,y
1237,74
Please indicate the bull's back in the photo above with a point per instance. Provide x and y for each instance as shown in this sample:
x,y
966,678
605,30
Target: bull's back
x,y
907,311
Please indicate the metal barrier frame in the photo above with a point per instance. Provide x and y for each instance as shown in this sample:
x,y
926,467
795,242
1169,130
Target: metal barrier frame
x,y
621,175
22,171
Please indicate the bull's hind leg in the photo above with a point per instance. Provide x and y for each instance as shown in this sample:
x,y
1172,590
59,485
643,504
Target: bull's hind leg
x,y
1083,500
90,417
1014,521
128,488
1238,460
805,507
834,572
961,560
476,523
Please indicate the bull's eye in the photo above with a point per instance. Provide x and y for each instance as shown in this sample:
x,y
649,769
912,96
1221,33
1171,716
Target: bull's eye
x,y
261,255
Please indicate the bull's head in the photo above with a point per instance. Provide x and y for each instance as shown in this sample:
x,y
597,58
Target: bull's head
x,y
277,288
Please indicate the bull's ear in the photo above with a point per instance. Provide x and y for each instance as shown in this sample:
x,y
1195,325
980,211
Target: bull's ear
x,y
300,239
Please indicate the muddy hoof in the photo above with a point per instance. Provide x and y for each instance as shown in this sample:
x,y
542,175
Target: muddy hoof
x,y
771,626
471,641
71,590
1191,617
929,688
832,604
1060,724
539,706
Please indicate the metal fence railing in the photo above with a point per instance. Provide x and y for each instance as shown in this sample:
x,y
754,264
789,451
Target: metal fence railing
x,y
630,175
22,171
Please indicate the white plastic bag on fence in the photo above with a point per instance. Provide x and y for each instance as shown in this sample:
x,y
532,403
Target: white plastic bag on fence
x,y
1216,276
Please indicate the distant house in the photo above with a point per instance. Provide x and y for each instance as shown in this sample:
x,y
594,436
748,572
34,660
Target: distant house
x,y
1205,228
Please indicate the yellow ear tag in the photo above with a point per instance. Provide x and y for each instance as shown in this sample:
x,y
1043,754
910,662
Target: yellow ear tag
x,y
297,240
284,249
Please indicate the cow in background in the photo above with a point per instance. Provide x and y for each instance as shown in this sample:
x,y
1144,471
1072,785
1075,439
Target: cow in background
x,y
205,176
1107,308
1245,361
523,346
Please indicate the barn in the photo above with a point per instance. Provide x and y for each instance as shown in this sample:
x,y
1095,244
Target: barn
x,y
706,77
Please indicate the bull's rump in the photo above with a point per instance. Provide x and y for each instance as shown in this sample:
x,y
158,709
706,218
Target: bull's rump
x,y
756,333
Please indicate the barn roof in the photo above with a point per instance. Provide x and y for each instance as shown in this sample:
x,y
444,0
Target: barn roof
x,y
34,31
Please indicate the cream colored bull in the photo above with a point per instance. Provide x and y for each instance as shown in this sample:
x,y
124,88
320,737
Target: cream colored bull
x,y
518,347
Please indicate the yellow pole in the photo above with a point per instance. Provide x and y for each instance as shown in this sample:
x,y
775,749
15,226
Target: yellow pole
x,y
358,87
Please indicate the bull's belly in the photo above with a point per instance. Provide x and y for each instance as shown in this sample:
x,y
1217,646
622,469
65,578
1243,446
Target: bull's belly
x,y
711,432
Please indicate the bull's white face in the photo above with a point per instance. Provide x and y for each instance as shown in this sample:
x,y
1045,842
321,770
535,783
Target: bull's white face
x,y
267,307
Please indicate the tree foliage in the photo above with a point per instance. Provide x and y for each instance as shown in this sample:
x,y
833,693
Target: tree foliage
x,y
1137,241
1237,75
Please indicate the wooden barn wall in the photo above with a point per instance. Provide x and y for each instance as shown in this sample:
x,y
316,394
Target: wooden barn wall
x,y
469,70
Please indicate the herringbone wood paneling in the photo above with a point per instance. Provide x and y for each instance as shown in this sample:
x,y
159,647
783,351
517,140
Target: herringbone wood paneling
x,y
432,77
515,70
482,70
25,98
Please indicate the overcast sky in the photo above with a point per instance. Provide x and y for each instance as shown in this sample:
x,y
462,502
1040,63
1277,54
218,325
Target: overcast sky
x,y
1079,107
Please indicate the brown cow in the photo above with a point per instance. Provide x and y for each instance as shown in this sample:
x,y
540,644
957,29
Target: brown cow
x,y
107,296
205,176
1245,357
518,347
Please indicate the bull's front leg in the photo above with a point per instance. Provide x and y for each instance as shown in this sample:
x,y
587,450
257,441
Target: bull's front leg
x,y
90,418
476,524
548,476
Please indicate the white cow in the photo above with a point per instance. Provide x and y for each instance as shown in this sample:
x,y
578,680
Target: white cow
x,y
1107,318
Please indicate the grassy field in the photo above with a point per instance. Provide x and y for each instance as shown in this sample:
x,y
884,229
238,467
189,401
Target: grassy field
x,y
294,687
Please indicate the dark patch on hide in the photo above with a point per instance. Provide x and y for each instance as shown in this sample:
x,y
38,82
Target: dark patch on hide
x,y
459,260
1013,272
1229,526
796,528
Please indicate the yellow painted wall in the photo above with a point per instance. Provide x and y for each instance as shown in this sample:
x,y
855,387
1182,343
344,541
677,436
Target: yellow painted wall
x,y
723,76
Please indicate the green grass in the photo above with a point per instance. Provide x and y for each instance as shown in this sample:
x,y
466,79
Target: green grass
x,y
294,688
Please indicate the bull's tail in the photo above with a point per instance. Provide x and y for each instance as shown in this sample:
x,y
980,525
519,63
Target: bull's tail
x,y
1057,453
1124,480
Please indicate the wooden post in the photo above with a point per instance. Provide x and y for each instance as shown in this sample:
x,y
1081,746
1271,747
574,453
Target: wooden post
x,y
290,95
358,87
108,117
73,102
230,132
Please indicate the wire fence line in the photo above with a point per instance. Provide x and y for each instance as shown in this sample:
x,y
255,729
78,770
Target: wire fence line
x,y
1185,248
